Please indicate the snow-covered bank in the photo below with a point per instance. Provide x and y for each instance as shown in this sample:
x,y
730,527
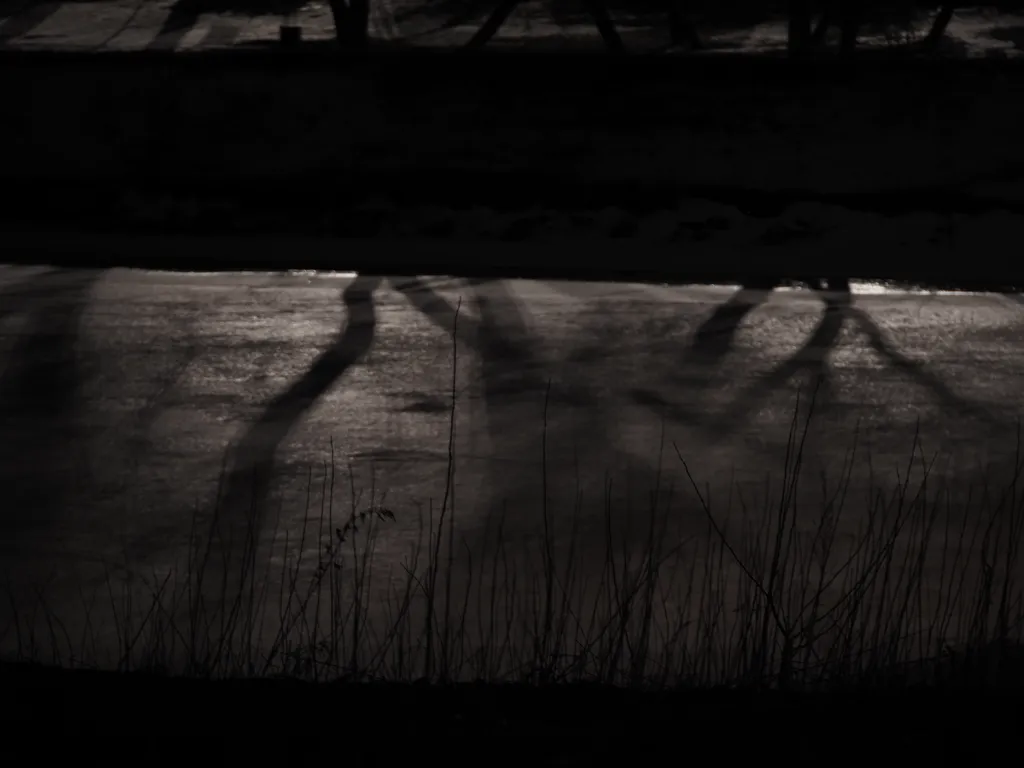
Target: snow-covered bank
x,y
698,240
692,223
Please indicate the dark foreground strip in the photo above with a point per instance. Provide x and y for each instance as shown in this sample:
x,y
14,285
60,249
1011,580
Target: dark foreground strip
x,y
151,720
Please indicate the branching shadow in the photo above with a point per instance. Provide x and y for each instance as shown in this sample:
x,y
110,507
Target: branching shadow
x,y
40,399
500,340
500,337
714,339
252,459
509,364
716,335
541,456
438,310
512,378
949,400
811,361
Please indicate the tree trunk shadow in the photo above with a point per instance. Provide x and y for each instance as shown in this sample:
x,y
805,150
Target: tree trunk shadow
x,y
716,335
40,399
241,508
438,310
515,392
506,352
498,336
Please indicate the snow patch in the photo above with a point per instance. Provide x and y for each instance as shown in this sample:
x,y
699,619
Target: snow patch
x,y
698,225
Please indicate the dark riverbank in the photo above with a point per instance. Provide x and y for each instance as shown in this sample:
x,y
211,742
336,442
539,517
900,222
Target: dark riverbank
x,y
258,143
753,123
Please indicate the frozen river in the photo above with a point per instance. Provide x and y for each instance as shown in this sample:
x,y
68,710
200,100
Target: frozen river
x,y
132,401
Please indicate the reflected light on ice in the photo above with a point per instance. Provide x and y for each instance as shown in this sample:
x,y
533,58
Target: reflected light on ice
x,y
859,287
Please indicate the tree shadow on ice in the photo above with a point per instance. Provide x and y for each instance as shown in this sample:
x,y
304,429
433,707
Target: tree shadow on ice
x,y
244,495
507,352
511,373
714,339
498,334
717,334
40,400
811,363
502,356
542,455
514,375
950,402
438,310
